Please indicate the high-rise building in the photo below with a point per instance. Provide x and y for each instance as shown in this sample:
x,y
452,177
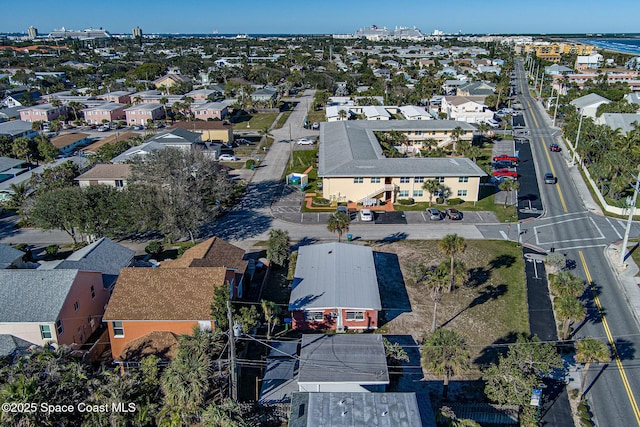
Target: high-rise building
x,y
33,32
137,33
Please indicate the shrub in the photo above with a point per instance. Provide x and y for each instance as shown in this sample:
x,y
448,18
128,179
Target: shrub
x,y
439,200
154,248
183,249
249,163
52,250
454,201
406,202
320,201
584,414
20,246
78,245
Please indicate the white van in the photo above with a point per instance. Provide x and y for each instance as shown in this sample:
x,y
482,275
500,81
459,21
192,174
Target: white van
x,y
492,123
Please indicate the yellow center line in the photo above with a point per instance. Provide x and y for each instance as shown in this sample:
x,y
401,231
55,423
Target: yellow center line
x,y
605,324
553,171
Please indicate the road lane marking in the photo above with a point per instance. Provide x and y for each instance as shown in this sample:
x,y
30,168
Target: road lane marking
x,y
567,214
504,235
605,324
597,228
614,229
580,247
553,171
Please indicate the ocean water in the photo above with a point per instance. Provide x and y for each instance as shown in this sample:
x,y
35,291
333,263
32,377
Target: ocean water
x,y
631,46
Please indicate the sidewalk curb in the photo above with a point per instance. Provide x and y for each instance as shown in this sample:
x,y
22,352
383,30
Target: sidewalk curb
x,y
631,295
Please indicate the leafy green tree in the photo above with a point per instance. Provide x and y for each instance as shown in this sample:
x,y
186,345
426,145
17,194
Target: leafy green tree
x,y
588,351
22,148
6,148
59,210
444,352
154,248
19,193
46,150
338,223
569,310
526,364
271,312
226,414
54,178
451,245
278,246
248,318
431,186
219,306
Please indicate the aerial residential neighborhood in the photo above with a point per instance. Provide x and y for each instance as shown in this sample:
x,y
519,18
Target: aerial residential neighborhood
x,y
371,226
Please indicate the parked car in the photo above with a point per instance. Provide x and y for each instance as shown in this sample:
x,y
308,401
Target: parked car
x,y
554,147
366,215
505,172
138,127
240,141
505,157
227,158
305,141
344,210
549,178
501,164
434,214
453,214
315,126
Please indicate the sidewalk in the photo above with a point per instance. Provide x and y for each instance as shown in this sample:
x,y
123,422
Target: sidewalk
x,y
627,280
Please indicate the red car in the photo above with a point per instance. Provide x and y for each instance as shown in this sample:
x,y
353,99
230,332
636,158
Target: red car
x,y
554,147
505,172
505,157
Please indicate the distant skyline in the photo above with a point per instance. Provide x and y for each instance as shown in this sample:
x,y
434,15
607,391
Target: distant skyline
x,y
326,17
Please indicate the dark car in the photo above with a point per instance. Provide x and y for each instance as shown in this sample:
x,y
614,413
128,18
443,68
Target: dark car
x,y
502,164
453,214
554,147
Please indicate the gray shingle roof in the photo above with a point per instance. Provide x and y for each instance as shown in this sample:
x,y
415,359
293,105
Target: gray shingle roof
x,y
11,345
33,295
622,121
14,127
349,148
587,100
342,358
7,163
335,275
8,255
175,136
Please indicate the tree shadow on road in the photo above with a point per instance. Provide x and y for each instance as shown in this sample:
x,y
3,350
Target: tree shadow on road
x,y
625,349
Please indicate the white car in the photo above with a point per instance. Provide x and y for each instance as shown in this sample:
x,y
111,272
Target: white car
x,y
305,141
366,215
227,158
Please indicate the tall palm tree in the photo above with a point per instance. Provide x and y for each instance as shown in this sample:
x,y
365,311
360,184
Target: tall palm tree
x,y
474,152
588,351
450,245
342,114
508,185
569,310
431,185
75,106
21,148
338,223
436,281
271,312
566,284
456,133
444,352
483,128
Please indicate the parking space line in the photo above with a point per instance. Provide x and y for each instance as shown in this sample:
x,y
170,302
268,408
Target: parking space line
x,y
614,229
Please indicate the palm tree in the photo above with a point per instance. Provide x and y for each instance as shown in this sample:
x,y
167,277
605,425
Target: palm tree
x,y
431,185
588,351
271,312
569,310
444,352
21,148
164,101
338,223
509,185
450,245
75,106
342,114
265,132
566,284
456,133
483,128
436,281
474,152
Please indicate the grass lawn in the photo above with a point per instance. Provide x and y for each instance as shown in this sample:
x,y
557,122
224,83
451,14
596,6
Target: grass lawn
x,y
489,309
256,121
316,116
282,120
302,159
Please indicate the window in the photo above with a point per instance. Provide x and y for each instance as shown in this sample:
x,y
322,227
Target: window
x,y
59,327
93,292
313,316
405,180
403,193
358,180
462,193
463,179
45,332
119,183
118,329
440,179
418,179
76,306
375,180
417,193
355,315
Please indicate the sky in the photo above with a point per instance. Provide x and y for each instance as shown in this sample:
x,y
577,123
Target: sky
x,y
324,16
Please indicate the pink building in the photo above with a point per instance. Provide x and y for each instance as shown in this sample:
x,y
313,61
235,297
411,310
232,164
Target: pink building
x,y
108,111
142,113
210,110
42,113
121,97
202,94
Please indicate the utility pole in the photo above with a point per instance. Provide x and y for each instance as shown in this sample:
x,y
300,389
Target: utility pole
x,y
233,378
632,207
290,150
555,112
575,147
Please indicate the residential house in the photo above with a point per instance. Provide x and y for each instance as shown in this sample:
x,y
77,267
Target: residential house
x,y
113,175
347,409
11,346
143,114
61,307
215,131
476,89
450,87
557,70
210,111
170,80
626,122
353,167
589,62
111,139
10,257
413,112
17,128
470,109
203,94
335,287
67,96
342,363
12,113
19,99
375,112
267,95
68,142
633,98
107,112
10,168
137,151
118,97
333,113
42,113
588,105
280,379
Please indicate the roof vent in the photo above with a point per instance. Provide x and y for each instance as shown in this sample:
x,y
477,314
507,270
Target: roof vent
x,y
385,413
342,402
344,413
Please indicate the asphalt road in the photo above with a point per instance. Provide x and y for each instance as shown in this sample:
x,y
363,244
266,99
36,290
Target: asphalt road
x,y
582,236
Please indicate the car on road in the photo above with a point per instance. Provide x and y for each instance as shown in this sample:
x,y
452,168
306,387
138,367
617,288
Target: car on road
x,y
554,147
366,215
305,141
227,158
506,173
453,213
549,178
434,214
505,157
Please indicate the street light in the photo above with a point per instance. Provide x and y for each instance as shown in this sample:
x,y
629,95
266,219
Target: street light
x,y
632,206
